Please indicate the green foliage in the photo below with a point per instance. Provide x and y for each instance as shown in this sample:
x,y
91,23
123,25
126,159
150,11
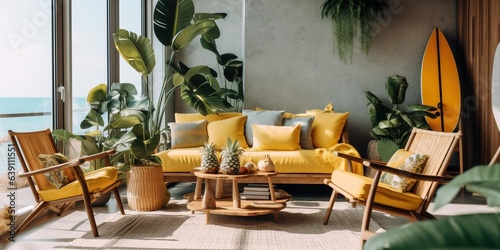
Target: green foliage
x,y
349,16
391,123
483,180
115,105
468,231
386,149
176,25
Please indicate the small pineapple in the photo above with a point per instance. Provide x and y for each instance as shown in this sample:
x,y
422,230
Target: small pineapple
x,y
209,161
231,153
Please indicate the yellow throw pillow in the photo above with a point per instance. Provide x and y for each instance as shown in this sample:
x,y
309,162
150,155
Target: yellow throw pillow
x,y
404,160
261,117
234,128
191,117
327,127
276,137
57,178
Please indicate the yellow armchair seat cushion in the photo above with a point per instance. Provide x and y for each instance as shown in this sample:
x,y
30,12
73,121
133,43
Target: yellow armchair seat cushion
x,y
97,181
359,187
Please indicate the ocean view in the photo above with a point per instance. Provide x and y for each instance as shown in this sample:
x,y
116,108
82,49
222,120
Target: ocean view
x,y
37,105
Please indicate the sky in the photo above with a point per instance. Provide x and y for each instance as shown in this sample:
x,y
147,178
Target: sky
x,y
25,45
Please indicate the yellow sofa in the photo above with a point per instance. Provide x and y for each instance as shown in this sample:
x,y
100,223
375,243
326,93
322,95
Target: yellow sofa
x,y
298,144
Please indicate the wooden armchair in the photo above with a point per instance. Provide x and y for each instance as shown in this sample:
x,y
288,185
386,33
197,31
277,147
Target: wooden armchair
x,y
438,146
86,187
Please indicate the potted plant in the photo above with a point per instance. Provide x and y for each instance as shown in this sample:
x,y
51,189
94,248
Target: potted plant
x,y
97,140
176,25
350,16
199,86
392,126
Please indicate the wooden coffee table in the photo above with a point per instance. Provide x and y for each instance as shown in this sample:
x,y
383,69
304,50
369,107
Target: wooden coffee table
x,y
218,204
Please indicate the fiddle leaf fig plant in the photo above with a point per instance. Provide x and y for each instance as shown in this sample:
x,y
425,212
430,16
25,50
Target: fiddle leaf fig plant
x,y
391,125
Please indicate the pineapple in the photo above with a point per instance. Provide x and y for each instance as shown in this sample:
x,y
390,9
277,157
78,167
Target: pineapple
x,y
209,161
231,153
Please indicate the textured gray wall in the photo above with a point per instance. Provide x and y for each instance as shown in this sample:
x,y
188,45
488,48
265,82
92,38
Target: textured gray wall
x,y
291,63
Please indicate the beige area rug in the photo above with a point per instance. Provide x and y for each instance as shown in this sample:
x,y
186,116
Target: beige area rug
x,y
299,227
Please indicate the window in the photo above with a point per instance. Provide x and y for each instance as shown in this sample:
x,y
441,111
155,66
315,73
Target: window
x,y
88,54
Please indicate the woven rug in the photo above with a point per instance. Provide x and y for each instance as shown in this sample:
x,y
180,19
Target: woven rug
x,y
300,227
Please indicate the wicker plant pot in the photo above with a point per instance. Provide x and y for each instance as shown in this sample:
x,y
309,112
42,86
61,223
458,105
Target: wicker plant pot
x,y
145,187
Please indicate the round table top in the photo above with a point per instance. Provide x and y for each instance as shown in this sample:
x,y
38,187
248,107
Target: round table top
x,y
220,175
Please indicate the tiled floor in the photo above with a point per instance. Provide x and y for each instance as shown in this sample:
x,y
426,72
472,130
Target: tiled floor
x,y
50,232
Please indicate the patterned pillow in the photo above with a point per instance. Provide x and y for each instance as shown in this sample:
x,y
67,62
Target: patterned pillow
x,y
57,178
188,134
407,161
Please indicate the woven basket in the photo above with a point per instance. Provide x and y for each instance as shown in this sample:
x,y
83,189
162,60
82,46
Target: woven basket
x,y
145,187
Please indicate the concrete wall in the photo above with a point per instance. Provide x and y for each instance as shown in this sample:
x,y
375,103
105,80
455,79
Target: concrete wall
x,y
291,63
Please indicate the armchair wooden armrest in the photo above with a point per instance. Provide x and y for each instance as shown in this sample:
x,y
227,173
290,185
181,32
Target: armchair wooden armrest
x,y
70,164
400,172
98,155
350,159
103,154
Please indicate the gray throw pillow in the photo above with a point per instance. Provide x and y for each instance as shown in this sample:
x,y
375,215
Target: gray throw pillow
x,y
188,134
261,117
305,129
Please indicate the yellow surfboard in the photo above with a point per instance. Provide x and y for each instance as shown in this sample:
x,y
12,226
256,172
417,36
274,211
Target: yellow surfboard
x,y
440,83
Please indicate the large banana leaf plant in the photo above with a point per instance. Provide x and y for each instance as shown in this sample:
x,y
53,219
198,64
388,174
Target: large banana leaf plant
x,y
390,125
176,25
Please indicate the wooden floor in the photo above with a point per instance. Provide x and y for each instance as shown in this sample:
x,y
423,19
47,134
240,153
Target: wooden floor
x,y
49,232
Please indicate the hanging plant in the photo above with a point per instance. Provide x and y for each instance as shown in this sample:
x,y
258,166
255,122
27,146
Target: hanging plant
x,y
347,17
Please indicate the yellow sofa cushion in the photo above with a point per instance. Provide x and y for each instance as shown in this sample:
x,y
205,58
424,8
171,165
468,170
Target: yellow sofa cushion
x,y
276,137
295,161
191,117
327,127
97,181
234,128
359,187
